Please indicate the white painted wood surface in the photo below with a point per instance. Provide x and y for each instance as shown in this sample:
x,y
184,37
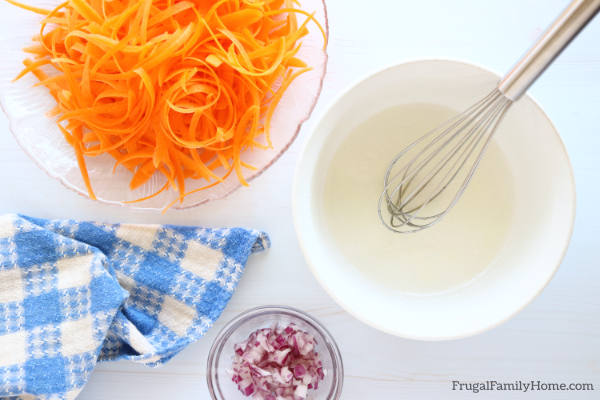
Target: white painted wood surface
x,y
556,338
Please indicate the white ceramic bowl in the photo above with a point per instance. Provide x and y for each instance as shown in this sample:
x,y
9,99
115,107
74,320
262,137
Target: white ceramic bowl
x,y
536,241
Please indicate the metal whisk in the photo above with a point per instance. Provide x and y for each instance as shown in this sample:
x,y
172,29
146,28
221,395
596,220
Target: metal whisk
x,y
426,179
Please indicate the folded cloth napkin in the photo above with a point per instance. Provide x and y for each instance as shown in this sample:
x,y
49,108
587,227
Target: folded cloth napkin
x,y
74,293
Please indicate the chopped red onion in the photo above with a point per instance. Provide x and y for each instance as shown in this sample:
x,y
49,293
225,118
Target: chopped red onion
x,y
277,364
299,371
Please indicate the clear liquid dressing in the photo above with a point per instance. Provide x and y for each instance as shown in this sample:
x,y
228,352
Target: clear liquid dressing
x,y
449,254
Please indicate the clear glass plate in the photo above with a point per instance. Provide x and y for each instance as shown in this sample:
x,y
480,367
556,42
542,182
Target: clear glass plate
x,y
26,107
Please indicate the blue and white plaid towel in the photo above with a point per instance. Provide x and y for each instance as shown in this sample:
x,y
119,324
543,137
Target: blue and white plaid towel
x,y
73,293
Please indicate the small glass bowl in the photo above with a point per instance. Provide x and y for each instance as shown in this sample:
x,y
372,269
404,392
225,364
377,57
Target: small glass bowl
x,y
220,357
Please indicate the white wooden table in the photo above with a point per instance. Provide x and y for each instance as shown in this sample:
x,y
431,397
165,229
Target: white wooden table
x,y
555,339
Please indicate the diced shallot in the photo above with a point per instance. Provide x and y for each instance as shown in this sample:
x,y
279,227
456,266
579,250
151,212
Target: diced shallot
x,y
277,364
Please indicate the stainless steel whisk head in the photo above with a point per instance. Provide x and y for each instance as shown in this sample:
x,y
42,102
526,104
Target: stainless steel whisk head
x,y
440,162
426,179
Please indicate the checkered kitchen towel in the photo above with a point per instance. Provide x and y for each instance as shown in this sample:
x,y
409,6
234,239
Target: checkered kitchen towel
x,y
72,293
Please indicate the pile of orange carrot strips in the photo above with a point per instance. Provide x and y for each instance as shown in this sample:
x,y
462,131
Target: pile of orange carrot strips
x,y
175,87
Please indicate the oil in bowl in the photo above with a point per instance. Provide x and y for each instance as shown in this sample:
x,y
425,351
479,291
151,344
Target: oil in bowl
x,y
446,256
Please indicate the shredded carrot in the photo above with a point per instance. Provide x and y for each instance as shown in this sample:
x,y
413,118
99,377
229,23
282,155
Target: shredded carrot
x,y
174,87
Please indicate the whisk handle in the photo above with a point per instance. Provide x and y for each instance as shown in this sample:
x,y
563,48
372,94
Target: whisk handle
x,y
548,47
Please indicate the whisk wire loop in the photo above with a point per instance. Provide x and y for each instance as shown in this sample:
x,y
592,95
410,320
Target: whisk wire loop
x,y
411,186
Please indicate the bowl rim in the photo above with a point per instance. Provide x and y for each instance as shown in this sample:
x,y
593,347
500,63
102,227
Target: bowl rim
x,y
312,264
230,327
